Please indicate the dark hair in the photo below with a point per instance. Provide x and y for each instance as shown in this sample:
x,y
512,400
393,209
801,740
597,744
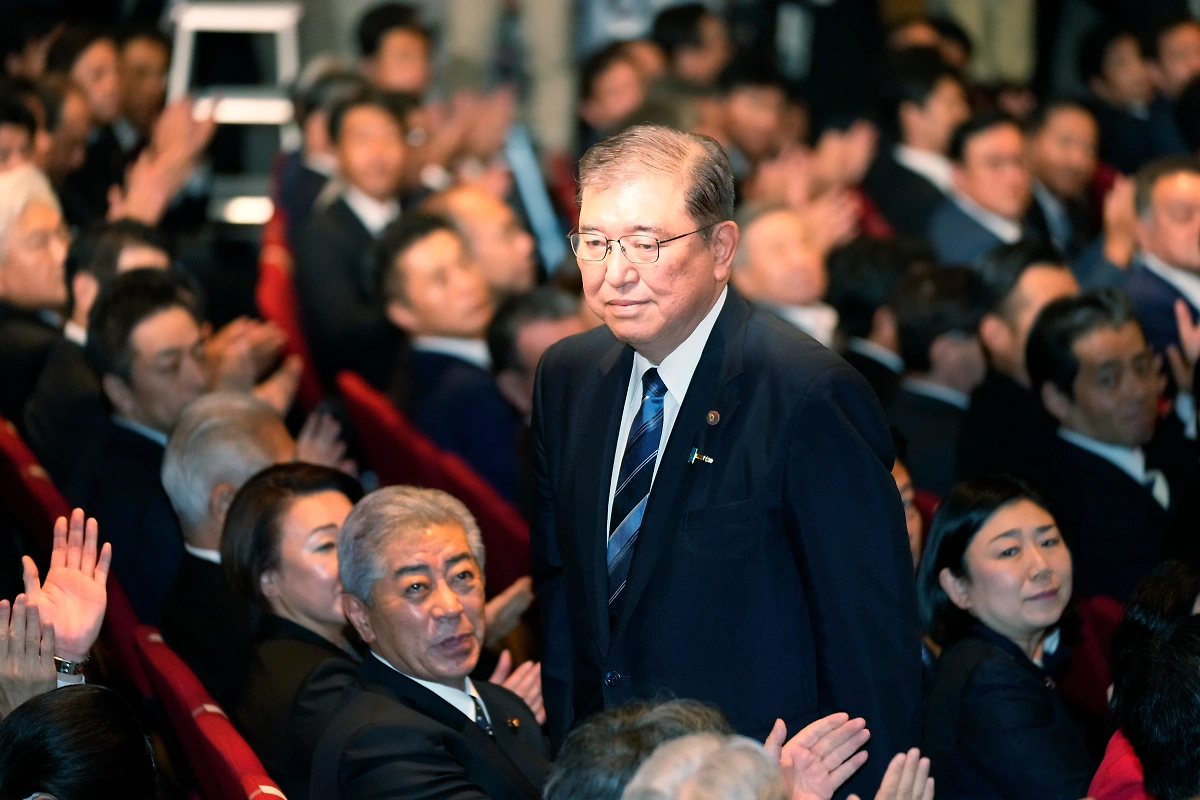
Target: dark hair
x,y
52,91
678,27
910,75
376,23
129,300
254,522
1001,268
601,756
863,275
948,29
934,303
1160,27
1095,46
70,45
81,742
1150,174
392,104
544,304
147,33
1050,352
1162,692
326,92
97,250
977,124
14,112
1042,114
395,241
750,72
1187,113
965,510
597,64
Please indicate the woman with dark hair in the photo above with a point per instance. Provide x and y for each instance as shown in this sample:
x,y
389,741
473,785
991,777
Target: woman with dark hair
x,y
994,580
80,742
279,548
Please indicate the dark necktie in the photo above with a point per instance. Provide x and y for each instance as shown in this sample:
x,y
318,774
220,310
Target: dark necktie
x,y
633,482
481,718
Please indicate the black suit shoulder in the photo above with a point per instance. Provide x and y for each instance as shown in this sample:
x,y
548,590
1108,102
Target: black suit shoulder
x,y
25,345
931,428
906,199
66,412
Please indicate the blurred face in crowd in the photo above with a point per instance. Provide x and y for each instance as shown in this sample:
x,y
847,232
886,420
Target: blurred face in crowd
x,y
1116,391
168,370
426,612
929,127
653,307
68,142
754,119
445,293
616,93
912,517
32,255
304,586
841,158
703,63
1005,334
1063,152
1178,58
501,247
780,261
85,288
144,64
956,360
16,147
647,57
402,63
994,172
370,149
917,33
1170,229
1018,575
97,73
534,338
1125,77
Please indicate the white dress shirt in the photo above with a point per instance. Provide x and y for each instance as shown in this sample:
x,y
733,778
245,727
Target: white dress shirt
x,y
143,430
819,320
75,333
1130,460
938,392
876,352
676,372
462,699
1186,283
1005,230
211,556
473,351
933,167
374,215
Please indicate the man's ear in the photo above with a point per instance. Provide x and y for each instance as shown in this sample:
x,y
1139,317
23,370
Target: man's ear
x,y
724,242
219,501
1057,403
955,588
995,334
119,394
356,612
884,326
84,288
402,316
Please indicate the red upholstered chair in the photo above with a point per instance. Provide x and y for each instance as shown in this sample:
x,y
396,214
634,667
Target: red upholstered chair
x,y
27,494
235,766
118,640
1088,673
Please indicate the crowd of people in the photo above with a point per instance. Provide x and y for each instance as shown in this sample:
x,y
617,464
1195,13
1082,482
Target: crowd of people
x,y
786,287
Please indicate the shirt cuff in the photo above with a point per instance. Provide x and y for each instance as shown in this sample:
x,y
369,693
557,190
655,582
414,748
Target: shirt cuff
x,y
1185,409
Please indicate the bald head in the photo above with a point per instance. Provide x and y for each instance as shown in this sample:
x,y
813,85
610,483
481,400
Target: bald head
x,y
502,248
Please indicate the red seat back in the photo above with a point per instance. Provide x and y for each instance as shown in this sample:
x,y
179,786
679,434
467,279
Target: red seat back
x,y
1089,669
28,495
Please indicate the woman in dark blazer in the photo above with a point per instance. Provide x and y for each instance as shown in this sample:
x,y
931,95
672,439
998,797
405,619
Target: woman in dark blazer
x,y
279,548
993,583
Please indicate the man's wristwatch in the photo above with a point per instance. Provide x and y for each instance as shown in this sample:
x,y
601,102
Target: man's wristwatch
x,y
64,667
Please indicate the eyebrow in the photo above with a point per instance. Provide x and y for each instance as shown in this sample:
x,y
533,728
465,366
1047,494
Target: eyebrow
x,y
655,229
453,560
170,352
1013,532
328,526
425,569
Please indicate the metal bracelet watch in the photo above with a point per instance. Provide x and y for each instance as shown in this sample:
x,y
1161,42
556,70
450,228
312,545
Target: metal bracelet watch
x,y
64,667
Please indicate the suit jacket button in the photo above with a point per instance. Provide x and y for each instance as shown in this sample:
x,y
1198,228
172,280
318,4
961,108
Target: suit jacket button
x,y
714,417
612,679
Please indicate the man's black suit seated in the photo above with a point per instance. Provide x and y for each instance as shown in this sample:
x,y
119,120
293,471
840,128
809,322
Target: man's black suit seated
x,y
937,318
1119,480
26,341
414,724
1005,427
1062,154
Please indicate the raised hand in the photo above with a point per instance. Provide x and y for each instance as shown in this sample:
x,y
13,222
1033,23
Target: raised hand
x,y
320,442
525,682
1184,357
821,757
73,597
503,612
907,778
26,654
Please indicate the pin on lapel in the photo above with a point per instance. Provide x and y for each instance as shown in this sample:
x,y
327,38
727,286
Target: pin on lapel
x,y
698,456
714,417
514,724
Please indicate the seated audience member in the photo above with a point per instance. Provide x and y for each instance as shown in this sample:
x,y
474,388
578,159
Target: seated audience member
x,y
500,246
993,583
435,292
727,767
333,262
1187,115
695,41
18,129
1172,47
862,278
779,266
611,87
145,342
145,57
394,49
1135,126
1063,138
937,319
747,116
79,741
411,563
1005,426
33,247
67,121
279,551
1114,467
1166,268
924,102
991,190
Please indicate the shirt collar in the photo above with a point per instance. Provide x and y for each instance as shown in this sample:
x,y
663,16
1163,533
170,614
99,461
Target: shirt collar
x,y
462,699
877,352
1005,230
1130,460
676,369
1048,199
211,556
934,167
153,435
1187,283
75,332
818,320
938,392
322,164
126,135
473,351
374,215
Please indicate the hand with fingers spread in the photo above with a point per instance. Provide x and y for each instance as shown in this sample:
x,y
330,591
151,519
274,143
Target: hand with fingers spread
x,y
73,597
907,778
26,654
320,442
821,757
1183,357
525,682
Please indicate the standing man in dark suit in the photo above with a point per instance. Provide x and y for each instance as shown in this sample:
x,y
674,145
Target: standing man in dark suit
x,y
415,725
695,533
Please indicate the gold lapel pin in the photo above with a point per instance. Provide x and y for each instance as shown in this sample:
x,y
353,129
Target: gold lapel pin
x,y
714,417
514,724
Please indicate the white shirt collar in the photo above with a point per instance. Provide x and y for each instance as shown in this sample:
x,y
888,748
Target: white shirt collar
x,y
322,163
865,347
818,320
211,556
75,332
473,351
1005,230
938,392
1130,460
374,215
676,369
143,430
462,699
934,167
126,135
1187,283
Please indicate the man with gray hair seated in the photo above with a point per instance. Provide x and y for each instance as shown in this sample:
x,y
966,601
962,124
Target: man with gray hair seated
x,y
414,724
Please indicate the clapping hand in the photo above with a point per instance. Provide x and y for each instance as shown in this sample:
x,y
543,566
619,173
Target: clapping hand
x,y
821,757
26,654
504,611
907,778
320,442
73,597
1183,358
525,682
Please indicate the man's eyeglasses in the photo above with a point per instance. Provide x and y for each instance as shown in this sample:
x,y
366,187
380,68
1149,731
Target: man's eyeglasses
x,y
639,248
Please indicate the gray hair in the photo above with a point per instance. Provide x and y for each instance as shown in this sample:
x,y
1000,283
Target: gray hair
x,y
715,767
221,438
747,215
19,189
658,150
392,512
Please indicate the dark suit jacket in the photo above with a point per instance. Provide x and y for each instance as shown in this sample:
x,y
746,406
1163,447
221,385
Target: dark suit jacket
x,y
1083,224
1155,302
66,413
1127,142
906,198
342,320
1003,430
25,345
956,237
299,187
932,429
290,694
882,378
121,487
776,515
393,738
994,727
84,194
210,626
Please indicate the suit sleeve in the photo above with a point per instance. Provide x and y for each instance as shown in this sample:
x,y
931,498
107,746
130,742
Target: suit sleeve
x,y
387,762
847,523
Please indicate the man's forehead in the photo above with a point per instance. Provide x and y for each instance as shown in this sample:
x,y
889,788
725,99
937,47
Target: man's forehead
x,y
1108,343
165,329
629,204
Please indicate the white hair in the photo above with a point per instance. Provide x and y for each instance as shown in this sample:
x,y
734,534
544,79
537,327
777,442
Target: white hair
x,y
20,188
705,766
221,438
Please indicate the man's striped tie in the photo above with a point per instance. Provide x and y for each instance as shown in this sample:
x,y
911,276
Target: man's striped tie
x,y
633,482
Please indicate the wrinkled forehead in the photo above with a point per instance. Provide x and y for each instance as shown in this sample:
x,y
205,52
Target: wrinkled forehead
x,y
625,203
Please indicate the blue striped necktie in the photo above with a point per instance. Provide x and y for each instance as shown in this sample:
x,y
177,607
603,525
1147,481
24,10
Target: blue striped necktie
x,y
633,482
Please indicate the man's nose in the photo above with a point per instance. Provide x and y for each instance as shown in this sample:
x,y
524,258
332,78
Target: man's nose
x,y
446,602
617,266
